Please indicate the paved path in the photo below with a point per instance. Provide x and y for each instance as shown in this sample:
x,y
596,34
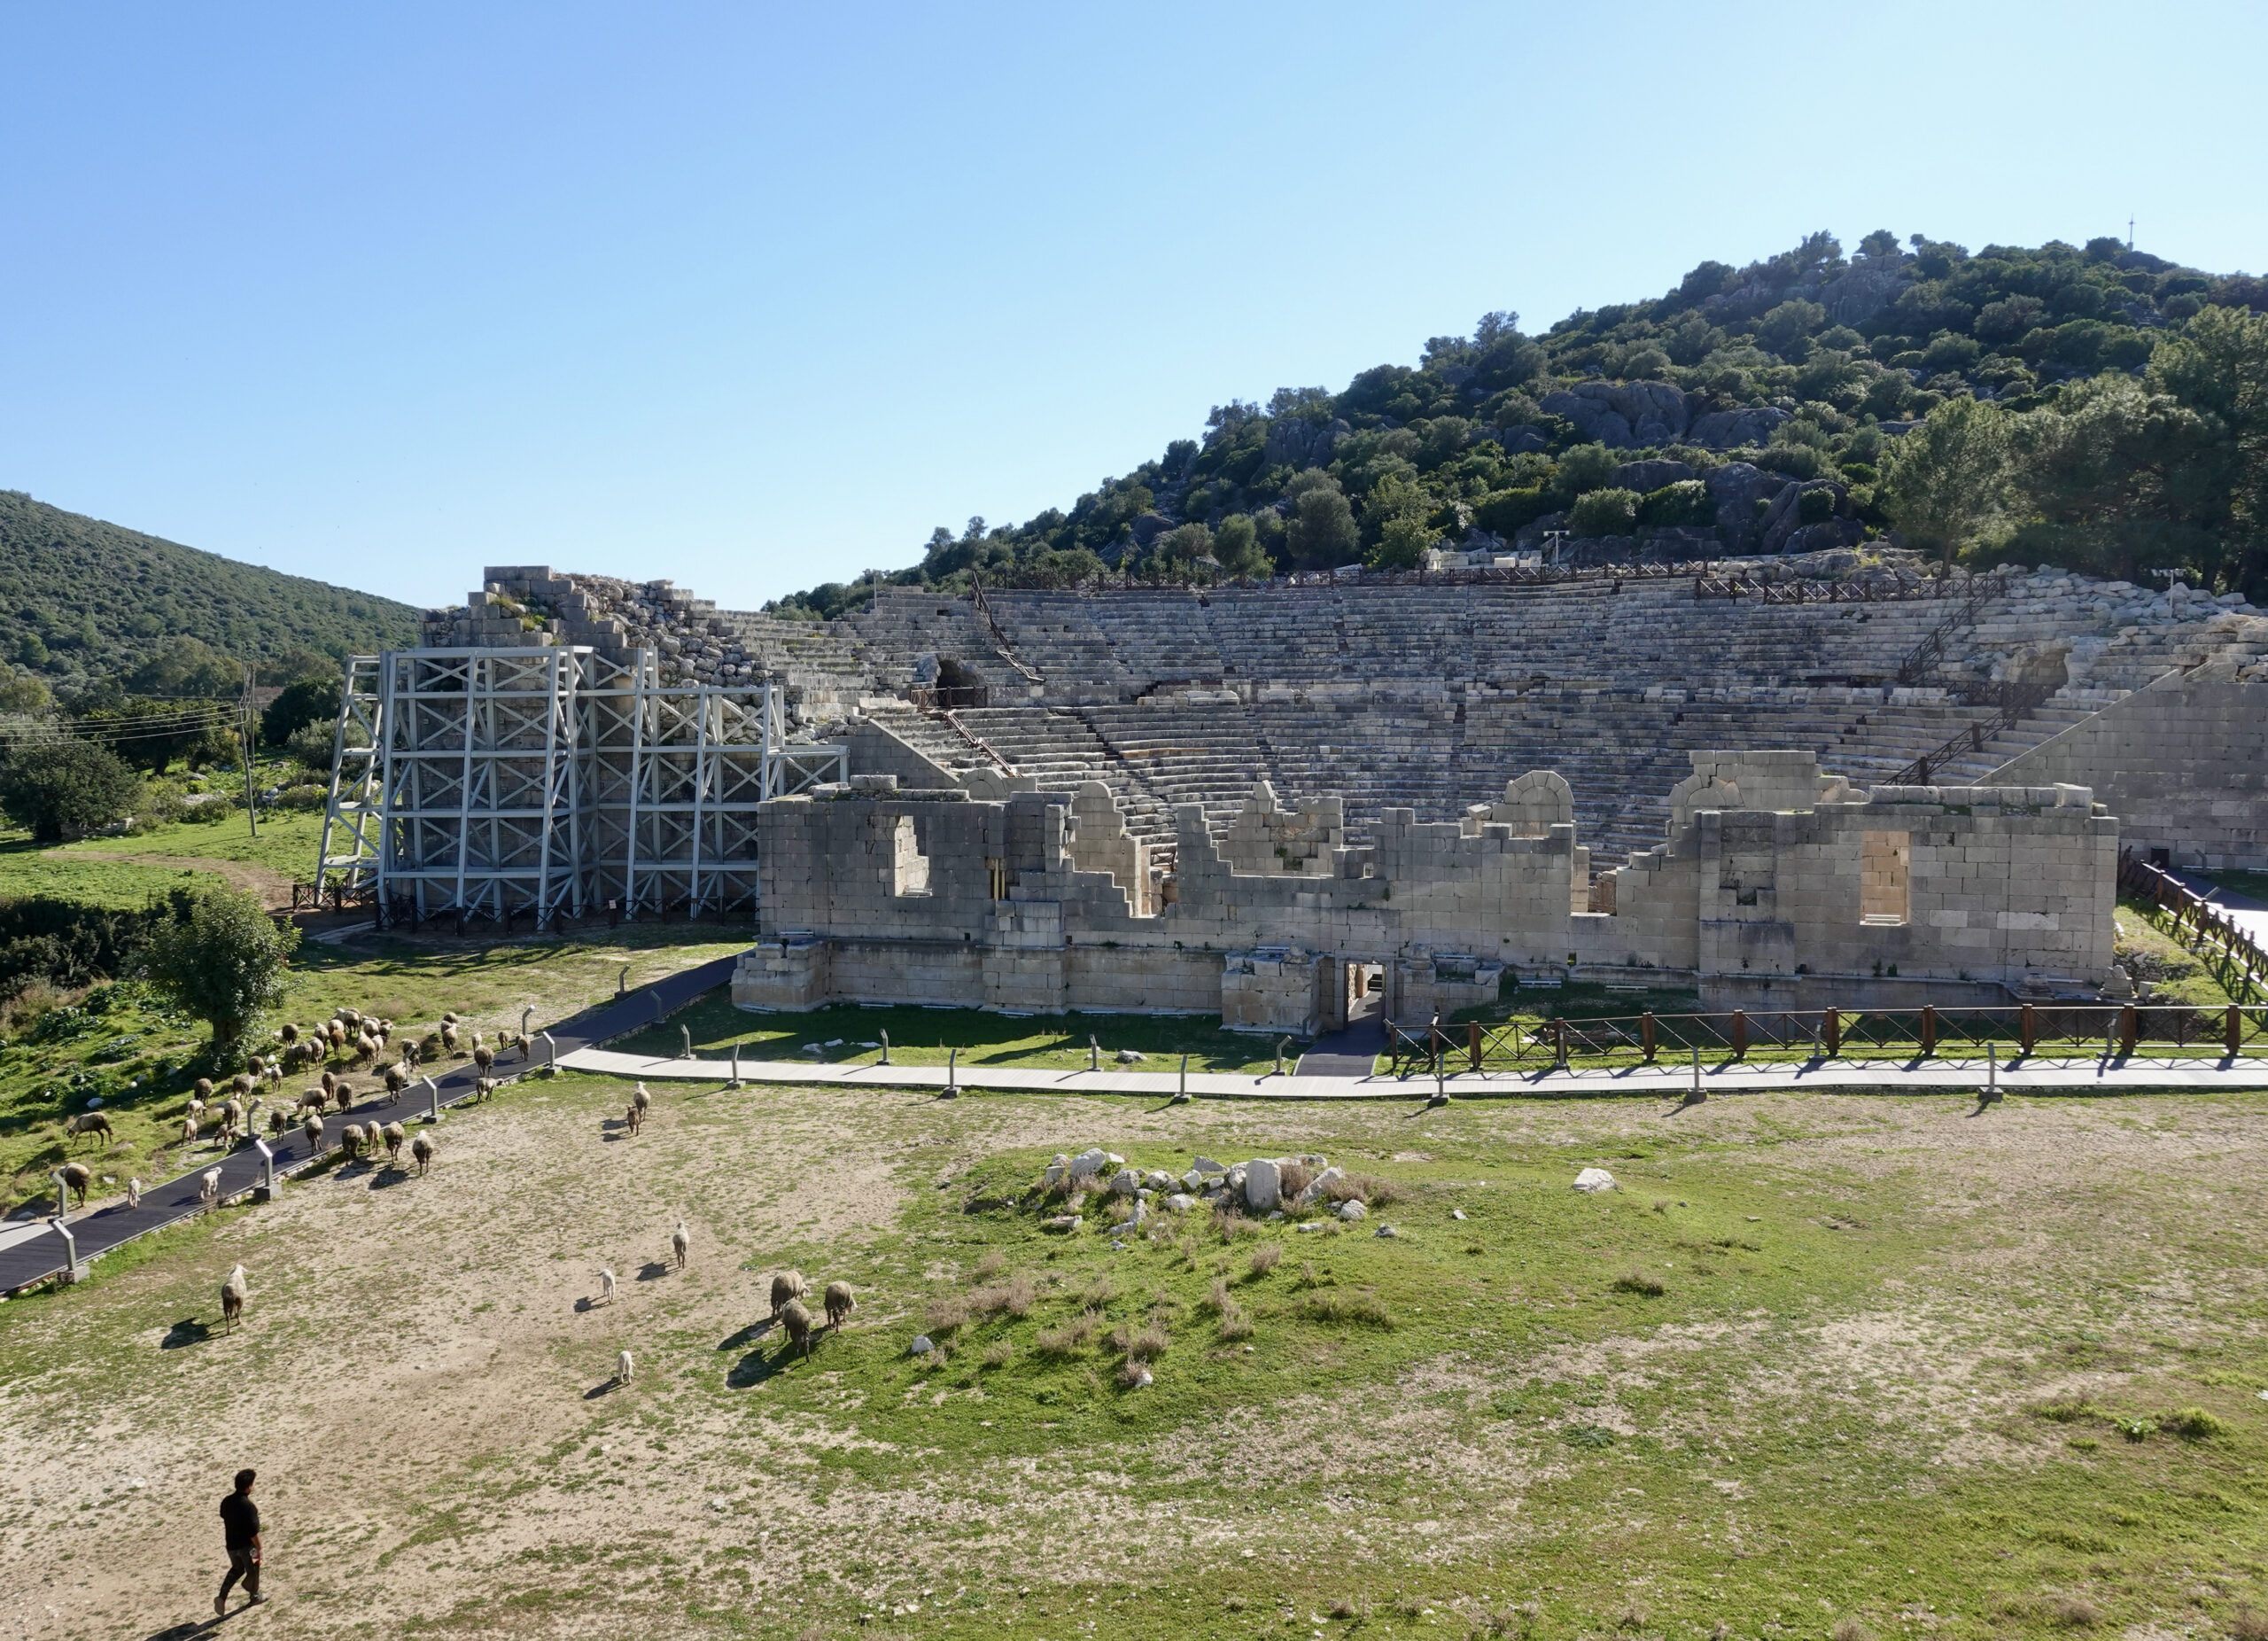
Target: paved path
x,y
2242,910
1934,1076
30,1259
1350,1050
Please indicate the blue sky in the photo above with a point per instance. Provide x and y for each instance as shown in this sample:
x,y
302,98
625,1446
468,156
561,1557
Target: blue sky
x,y
755,297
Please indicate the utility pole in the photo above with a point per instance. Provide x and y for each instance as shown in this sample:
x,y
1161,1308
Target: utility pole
x,y
246,722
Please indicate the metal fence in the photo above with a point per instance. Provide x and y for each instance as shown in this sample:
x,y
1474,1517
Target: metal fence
x,y
2016,1032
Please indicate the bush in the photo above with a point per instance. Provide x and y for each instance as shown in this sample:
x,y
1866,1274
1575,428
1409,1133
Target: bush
x,y
1672,506
1640,1282
221,961
2191,1424
310,745
66,787
1506,512
1815,506
1611,511
1586,468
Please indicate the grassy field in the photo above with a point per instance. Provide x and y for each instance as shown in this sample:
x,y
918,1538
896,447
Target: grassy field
x,y
1859,1365
848,1032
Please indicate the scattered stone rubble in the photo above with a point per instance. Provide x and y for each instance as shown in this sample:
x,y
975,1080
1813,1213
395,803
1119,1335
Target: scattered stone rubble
x,y
1255,1188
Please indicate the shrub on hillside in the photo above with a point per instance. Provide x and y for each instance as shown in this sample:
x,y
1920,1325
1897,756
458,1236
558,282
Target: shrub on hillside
x,y
1611,511
1683,503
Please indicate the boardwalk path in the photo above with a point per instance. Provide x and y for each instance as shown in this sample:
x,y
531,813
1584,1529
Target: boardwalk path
x,y
36,1258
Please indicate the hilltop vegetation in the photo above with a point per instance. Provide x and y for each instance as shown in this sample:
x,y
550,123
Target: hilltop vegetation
x,y
2095,406
82,601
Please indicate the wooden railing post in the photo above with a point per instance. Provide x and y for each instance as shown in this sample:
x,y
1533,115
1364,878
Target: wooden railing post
x,y
2128,1020
1646,1035
1929,1030
1740,1034
2029,1029
1473,1043
1559,1042
1833,1034
2233,1030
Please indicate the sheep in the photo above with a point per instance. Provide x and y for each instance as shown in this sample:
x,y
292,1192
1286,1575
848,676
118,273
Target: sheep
x,y
256,1064
335,1036
189,1128
798,1321
483,1087
397,1079
449,1038
483,1058
680,1243
788,1285
201,1090
312,1127
422,1149
633,1119
208,1186
133,1194
348,1017
89,1125
622,1368
76,1178
289,1032
234,1291
840,1303
451,1017
606,1285
343,1096
642,1101
240,1084
232,1122
196,1107
350,1140
394,1134
278,1120
315,1099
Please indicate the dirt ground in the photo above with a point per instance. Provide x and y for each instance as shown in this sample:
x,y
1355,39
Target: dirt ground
x,y
424,1380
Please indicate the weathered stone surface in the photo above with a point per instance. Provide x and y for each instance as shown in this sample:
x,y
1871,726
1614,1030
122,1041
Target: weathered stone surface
x,y
1724,430
1622,414
1352,1209
1088,1163
1652,474
1263,1184
1594,1179
1125,1182
1180,1202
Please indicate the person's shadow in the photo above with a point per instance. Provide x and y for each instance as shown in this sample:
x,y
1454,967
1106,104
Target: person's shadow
x,y
188,1331
181,1632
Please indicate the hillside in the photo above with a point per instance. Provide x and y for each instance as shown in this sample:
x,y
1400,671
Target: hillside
x,y
2095,406
79,597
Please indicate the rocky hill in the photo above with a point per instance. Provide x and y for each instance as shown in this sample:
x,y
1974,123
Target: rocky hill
x,y
1749,409
82,599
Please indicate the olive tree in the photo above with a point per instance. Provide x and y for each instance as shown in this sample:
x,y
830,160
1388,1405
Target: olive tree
x,y
221,960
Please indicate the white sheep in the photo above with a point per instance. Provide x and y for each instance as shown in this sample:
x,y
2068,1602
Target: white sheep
x,y
680,1243
133,1194
422,1149
208,1186
623,1367
234,1291
606,1285
840,1303
785,1285
395,1135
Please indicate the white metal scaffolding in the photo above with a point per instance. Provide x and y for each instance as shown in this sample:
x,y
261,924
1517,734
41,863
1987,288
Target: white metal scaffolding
x,y
555,781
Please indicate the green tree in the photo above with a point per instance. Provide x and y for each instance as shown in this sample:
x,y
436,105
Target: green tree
x,y
1947,480
1611,511
2118,480
309,700
1177,554
221,961
66,787
1321,532
23,692
1586,467
1236,545
187,666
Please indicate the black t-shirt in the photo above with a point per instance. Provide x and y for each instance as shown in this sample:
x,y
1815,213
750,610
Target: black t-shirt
x,y
239,1520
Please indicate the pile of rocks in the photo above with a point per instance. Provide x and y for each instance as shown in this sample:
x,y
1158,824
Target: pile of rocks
x,y
1254,1187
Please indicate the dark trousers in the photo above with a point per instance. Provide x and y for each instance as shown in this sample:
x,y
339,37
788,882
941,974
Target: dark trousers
x,y
241,1564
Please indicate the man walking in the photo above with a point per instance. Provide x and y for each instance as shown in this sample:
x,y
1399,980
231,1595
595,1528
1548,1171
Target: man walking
x,y
240,1525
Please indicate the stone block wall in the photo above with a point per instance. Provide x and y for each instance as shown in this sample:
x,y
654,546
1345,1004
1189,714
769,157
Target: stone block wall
x,y
2183,765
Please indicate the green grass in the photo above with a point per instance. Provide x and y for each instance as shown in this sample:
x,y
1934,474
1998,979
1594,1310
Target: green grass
x,y
929,1036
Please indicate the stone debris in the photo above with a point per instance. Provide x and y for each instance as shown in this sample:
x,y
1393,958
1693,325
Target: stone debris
x,y
922,1346
1351,1210
1064,1224
1594,1179
1127,1057
1456,1213
1180,1202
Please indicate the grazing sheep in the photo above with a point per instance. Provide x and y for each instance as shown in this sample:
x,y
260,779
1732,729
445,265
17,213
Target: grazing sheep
x,y
208,1186
89,1125
840,1303
606,1285
240,1084
633,1119
622,1368
343,1096
234,1291
232,1122
798,1321
350,1140
133,1194
422,1149
449,1038
278,1120
395,1136
76,1178
312,1127
202,1090
315,1099
680,1243
786,1286
189,1128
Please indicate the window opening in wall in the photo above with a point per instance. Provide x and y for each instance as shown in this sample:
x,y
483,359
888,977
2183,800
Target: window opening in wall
x,y
1000,871
1886,863
909,867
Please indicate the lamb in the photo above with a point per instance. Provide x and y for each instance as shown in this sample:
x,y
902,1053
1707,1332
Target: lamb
x,y
622,1368
680,1243
133,1194
606,1285
840,1303
633,1119
798,1321
786,1286
643,1101
76,1178
189,1128
89,1125
234,1291
395,1135
422,1149
208,1186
